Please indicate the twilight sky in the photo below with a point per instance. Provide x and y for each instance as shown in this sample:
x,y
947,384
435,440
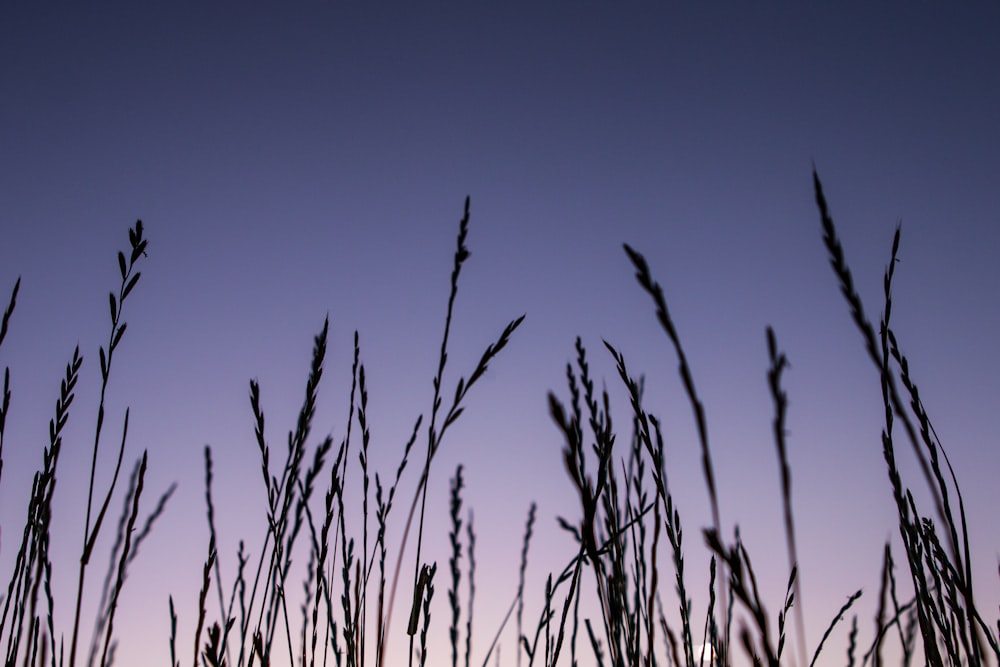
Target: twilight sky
x,y
290,162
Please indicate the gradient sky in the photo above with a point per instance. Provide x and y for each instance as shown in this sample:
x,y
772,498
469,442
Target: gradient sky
x,y
290,162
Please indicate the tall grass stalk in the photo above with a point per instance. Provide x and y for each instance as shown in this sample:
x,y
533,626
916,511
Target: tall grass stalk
x,y
951,626
337,559
27,641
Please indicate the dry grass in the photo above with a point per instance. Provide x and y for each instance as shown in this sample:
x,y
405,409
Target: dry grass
x,y
628,518
27,624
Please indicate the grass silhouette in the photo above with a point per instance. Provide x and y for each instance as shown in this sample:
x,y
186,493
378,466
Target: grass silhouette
x,y
627,519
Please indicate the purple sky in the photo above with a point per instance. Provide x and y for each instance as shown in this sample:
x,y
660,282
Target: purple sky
x,y
294,162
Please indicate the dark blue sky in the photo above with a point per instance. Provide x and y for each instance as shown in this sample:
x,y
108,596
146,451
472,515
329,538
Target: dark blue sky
x,y
290,162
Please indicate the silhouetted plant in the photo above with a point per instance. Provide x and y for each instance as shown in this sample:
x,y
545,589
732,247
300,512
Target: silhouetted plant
x,y
27,641
628,516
